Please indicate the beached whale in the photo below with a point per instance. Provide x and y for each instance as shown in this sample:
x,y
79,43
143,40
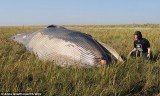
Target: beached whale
x,y
67,47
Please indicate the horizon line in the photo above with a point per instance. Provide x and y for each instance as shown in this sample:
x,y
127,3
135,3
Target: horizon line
x,y
80,24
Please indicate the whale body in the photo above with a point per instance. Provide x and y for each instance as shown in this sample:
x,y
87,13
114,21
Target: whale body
x,y
67,47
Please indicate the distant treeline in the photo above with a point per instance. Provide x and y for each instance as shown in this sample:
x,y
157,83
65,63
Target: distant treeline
x,y
119,25
94,26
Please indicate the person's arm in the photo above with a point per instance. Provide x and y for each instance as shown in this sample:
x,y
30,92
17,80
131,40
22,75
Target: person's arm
x,y
148,49
132,51
134,44
149,52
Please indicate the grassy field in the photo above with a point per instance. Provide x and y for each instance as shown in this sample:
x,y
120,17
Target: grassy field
x,y
21,71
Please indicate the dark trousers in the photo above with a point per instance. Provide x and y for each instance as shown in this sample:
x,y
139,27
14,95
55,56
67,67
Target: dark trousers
x,y
141,55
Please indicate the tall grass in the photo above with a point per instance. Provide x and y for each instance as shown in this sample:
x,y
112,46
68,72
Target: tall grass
x,y
21,71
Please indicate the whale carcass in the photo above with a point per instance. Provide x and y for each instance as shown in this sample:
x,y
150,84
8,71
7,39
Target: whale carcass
x,y
67,47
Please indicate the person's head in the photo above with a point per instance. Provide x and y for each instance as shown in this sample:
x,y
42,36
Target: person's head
x,y
137,35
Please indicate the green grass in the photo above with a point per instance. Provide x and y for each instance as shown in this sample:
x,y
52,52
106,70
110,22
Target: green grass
x,y
21,71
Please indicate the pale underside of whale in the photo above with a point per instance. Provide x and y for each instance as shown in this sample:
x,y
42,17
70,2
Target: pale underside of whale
x,y
66,47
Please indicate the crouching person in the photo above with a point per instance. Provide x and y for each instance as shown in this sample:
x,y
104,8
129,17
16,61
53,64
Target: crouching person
x,y
141,47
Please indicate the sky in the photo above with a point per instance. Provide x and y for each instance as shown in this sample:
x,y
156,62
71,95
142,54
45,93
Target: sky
x,y
78,12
